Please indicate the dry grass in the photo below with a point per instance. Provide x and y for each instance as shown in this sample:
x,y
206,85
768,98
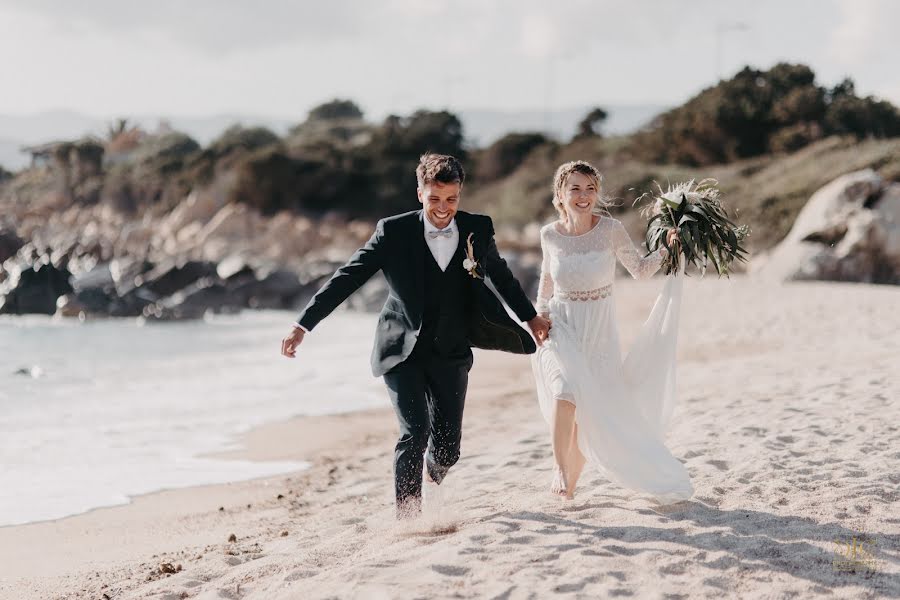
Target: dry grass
x,y
765,192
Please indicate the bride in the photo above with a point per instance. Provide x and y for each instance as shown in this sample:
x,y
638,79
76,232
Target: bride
x,y
600,409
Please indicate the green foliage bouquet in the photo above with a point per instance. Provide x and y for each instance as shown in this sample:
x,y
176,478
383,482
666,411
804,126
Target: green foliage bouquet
x,y
705,233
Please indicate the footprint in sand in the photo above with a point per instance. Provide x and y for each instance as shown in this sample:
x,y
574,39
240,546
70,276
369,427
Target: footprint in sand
x,y
525,539
590,552
677,568
622,550
719,464
300,574
509,526
449,570
755,431
569,588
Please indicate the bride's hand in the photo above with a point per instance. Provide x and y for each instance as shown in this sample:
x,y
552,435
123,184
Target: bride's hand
x,y
673,240
672,236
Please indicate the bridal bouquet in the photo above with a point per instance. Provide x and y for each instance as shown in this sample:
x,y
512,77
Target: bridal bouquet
x,y
705,232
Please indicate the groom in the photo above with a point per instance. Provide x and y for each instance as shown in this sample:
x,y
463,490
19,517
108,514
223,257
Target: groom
x,y
438,308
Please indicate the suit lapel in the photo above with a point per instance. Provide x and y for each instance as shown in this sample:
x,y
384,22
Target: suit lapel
x,y
417,253
462,223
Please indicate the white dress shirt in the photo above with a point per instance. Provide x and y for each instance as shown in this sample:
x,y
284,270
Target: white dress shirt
x,y
442,247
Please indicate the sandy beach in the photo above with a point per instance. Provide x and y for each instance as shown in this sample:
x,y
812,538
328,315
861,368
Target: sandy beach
x,y
788,421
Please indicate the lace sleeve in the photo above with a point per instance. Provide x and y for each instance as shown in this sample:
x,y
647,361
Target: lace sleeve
x,y
545,284
639,267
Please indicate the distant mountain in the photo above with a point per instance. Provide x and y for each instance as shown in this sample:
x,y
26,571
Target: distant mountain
x,y
17,131
480,126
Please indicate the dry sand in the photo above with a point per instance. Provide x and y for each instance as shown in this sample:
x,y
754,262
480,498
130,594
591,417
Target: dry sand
x,y
789,423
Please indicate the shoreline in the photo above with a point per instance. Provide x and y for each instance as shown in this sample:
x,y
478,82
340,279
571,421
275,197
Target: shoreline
x,y
95,527
253,446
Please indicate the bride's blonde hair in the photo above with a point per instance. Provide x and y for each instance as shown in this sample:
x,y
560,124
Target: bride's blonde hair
x,y
562,175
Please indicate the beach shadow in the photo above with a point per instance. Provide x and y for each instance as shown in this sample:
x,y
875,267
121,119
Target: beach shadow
x,y
756,541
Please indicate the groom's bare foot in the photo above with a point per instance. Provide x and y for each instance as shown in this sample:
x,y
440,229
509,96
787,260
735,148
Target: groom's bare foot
x,y
559,487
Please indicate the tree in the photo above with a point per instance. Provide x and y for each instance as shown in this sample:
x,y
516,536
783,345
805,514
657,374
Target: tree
x,y
238,137
755,112
335,109
506,154
590,125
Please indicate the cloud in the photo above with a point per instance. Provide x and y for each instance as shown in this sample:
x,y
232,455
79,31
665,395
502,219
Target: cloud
x,y
865,31
209,25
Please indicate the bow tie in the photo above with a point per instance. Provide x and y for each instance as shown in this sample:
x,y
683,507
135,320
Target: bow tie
x,y
440,233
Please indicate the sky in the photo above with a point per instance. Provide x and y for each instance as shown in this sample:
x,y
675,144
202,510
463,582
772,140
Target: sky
x,y
279,58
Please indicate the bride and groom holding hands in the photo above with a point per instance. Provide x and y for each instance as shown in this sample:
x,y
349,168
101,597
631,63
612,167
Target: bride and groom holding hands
x,y
435,260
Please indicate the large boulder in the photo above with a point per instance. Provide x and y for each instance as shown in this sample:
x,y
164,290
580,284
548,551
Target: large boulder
x,y
849,230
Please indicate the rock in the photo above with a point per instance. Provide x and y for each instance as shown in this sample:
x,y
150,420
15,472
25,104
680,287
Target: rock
x,y
100,277
169,568
126,273
34,290
34,372
68,305
132,303
192,302
849,230
234,266
97,301
172,275
198,207
268,287
9,244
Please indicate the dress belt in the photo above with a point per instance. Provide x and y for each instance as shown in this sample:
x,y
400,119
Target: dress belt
x,y
584,295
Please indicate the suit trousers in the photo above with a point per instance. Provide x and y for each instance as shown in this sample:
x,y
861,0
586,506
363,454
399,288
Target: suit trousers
x,y
428,392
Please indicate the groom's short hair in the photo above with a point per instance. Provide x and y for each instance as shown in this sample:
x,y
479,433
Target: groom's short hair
x,y
442,168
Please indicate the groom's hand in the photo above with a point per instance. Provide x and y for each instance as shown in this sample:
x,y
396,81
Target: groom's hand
x,y
540,328
291,341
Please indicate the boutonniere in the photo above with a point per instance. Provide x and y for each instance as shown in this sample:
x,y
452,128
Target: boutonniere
x,y
470,264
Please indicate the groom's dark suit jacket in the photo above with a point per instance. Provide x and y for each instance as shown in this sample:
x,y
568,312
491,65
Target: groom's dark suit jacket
x,y
397,249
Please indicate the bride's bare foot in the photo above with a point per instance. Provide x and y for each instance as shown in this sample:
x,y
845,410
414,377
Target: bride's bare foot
x,y
559,487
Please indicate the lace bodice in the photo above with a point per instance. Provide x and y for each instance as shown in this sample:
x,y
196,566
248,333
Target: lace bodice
x,y
584,266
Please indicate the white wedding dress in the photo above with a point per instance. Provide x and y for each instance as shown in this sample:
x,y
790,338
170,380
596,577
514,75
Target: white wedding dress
x,y
621,407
